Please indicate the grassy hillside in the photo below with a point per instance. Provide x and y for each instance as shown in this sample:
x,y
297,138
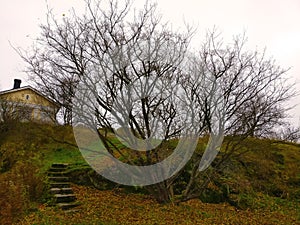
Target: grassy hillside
x,y
261,186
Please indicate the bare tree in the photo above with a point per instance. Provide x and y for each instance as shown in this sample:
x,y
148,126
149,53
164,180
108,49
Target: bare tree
x,y
287,132
133,72
13,111
110,68
53,62
108,50
254,91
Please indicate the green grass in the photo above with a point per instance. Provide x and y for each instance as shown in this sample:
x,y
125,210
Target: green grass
x,y
69,155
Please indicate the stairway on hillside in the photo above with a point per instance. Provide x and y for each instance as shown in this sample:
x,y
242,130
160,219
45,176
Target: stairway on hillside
x,y
60,189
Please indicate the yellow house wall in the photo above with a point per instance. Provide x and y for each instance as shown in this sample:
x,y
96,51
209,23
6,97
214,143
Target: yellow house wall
x,y
27,96
21,96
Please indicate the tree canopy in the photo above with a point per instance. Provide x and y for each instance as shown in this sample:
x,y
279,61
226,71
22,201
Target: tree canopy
x,y
115,67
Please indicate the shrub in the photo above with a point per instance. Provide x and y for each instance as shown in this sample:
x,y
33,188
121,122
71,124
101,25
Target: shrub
x,y
19,188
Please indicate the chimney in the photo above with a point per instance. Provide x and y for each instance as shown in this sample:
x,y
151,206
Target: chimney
x,y
17,83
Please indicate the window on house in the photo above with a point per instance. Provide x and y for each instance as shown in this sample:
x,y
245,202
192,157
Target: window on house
x,y
27,97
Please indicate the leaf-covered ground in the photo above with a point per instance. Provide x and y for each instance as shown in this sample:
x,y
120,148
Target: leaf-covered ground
x,y
117,207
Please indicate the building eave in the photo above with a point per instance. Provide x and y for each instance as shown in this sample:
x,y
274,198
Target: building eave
x,y
30,88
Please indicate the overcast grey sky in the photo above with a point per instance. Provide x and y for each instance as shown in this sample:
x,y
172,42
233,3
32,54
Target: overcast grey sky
x,y
273,24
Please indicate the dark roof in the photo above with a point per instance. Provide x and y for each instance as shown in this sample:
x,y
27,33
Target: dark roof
x,y
31,88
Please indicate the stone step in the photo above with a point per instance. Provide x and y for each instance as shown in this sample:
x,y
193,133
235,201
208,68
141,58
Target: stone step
x,y
57,170
74,210
60,185
64,198
61,191
57,174
68,206
58,179
59,165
